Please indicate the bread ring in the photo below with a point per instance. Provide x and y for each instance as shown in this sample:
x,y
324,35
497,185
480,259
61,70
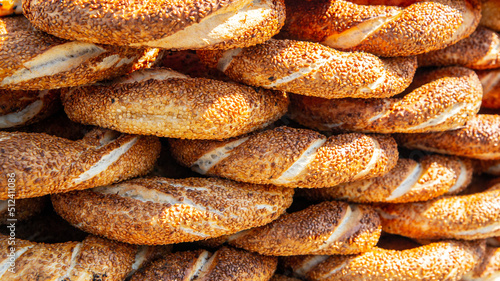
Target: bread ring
x,y
442,100
168,211
473,216
10,7
33,60
447,260
290,157
490,79
92,259
481,50
328,228
164,24
21,108
478,139
409,181
382,30
225,264
489,14
488,269
169,104
39,164
21,209
314,70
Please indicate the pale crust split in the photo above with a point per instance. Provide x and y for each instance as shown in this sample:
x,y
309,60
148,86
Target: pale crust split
x,y
313,70
166,24
408,181
293,157
198,265
446,260
45,164
92,259
468,217
33,60
158,211
478,139
481,50
438,100
327,228
382,30
166,103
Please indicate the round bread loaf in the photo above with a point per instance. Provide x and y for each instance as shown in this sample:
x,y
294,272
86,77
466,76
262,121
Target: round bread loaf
x,y
474,216
290,157
37,164
437,100
166,24
312,69
33,60
166,103
409,181
421,27
167,211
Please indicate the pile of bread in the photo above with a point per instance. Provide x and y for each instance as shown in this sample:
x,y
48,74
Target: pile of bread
x,y
250,140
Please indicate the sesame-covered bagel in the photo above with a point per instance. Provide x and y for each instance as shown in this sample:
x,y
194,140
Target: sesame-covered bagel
x,y
93,258
167,211
409,181
225,264
420,27
21,108
37,164
10,7
33,60
473,216
488,269
167,24
490,79
169,104
490,12
479,139
481,50
438,100
446,260
328,228
290,157
312,69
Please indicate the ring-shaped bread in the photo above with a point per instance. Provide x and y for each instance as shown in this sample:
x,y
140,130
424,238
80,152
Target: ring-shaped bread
x,y
166,103
167,24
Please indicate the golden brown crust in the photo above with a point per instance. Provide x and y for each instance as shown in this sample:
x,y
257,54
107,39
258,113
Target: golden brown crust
x,y
408,181
225,264
175,106
164,24
468,217
94,258
328,228
314,70
490,79
290,157
447,260
33,60
481,50
39,164
22,108
167,211
489,14
383,30
488,269
478,139
438,100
